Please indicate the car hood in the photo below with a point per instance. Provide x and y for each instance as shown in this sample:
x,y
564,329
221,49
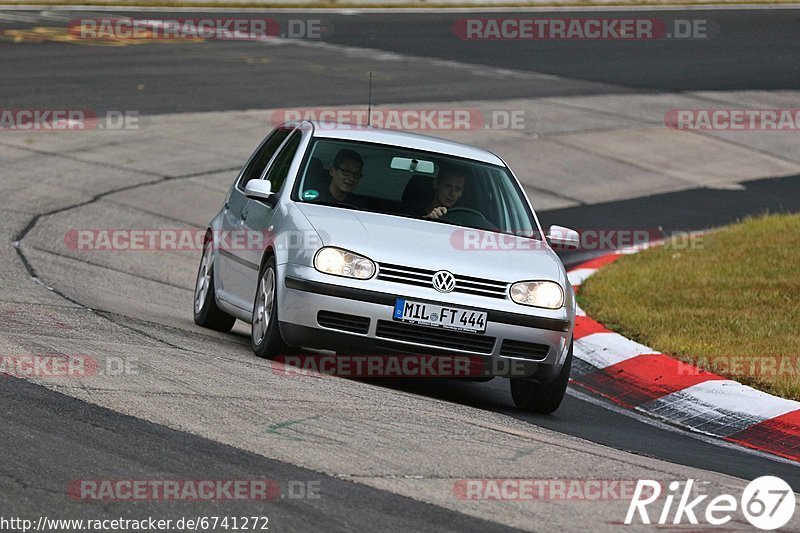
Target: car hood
x,y
434,246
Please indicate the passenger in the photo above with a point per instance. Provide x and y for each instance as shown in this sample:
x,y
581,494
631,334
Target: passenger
x,y
345,174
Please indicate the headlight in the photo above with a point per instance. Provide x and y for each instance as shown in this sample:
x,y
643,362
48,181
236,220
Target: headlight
x,y
547,294
340,262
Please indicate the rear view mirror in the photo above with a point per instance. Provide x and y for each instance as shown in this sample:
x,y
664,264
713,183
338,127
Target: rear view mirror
x,y
563,237
417,166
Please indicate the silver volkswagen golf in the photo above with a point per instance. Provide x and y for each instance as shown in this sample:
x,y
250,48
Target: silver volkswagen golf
x,y
367,241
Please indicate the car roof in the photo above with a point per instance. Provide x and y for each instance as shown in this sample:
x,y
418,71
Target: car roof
x,y
354,132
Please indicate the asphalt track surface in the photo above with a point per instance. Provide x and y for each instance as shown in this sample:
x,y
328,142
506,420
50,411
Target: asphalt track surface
x,y
47,437
752,50
757,50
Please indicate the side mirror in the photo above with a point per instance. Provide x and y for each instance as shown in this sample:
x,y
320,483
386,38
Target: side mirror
x,y
563,237
258,189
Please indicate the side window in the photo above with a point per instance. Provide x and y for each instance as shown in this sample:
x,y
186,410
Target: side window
x,y
280,168
264,153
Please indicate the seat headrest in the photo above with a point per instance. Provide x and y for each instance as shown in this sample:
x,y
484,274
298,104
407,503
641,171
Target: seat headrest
x,y
418,191
316,169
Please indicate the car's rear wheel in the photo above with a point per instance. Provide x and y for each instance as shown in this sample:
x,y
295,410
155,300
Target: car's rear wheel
x,y
206,312
265,336
542,399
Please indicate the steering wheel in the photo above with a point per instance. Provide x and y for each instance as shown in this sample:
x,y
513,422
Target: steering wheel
x,y
468,211
468,217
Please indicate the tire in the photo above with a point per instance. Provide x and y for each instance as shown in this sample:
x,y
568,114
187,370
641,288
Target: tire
x,y
265,335
542,399
206,312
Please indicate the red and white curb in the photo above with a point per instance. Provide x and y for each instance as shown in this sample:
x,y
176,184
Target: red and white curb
x,y
639,378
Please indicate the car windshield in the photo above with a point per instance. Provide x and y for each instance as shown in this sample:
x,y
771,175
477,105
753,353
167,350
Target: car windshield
x,y
399,181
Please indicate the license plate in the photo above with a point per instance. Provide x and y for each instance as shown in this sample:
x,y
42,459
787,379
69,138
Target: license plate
x,y
439,316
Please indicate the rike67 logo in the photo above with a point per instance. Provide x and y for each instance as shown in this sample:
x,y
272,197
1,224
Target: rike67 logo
x,y
767,502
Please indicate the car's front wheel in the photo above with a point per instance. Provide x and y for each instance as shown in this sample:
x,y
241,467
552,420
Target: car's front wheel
x,y
206,312
265,336
542,399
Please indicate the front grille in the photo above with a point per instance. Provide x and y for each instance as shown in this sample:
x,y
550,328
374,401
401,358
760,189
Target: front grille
x,y
351,323
524,350
424,278
441,338
396,348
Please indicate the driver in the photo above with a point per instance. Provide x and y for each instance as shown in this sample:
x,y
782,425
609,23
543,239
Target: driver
x,y
447,190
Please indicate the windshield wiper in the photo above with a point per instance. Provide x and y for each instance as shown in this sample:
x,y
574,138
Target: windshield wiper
x,y
345,205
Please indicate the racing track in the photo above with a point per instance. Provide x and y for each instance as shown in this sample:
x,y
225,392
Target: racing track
x,y
201,405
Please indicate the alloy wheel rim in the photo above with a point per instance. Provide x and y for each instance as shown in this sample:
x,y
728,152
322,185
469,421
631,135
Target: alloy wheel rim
x,y
203,280
263,312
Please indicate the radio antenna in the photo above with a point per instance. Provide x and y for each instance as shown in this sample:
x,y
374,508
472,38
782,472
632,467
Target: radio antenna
x,y
369,101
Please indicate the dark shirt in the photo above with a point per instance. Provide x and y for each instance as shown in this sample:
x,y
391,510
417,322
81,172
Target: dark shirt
x,y
417,211
325,196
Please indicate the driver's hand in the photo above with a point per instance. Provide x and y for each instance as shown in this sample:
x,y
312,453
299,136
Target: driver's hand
x,y
436,213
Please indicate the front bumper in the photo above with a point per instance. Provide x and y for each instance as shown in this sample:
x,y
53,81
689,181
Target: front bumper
x,y
518,344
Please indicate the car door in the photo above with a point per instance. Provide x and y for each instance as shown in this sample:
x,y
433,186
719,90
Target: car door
x,y
258,214
230,270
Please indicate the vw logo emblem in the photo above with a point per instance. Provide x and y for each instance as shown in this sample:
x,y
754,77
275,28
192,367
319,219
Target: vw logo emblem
x,y
444,281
